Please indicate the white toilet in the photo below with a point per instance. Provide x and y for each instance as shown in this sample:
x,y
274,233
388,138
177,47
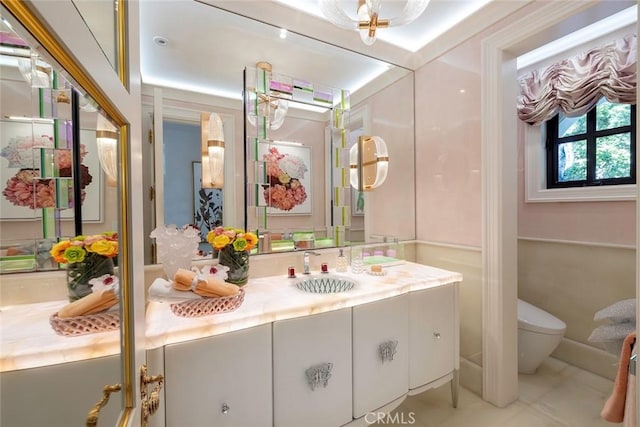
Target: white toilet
x,y
539,333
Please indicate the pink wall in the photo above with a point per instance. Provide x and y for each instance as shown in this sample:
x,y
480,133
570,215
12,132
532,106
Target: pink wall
x,y
597,222
448,169
393,204
448,141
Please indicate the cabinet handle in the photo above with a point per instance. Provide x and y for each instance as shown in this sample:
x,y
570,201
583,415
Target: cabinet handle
x,y
387,350
319,375
225,408
92,418
436,335
149,402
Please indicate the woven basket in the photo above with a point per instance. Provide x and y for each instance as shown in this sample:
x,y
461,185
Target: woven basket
x,y
207,306
82,325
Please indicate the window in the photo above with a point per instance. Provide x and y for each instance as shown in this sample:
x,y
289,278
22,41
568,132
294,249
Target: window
x,y
597,148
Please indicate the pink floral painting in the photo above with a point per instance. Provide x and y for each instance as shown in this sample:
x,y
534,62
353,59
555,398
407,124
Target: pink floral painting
x,y
23,190
288,179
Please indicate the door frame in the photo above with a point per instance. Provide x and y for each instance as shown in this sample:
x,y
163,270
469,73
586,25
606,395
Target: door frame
x,y
499,188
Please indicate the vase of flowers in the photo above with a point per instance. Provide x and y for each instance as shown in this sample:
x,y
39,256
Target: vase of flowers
x,y
233,246
86,257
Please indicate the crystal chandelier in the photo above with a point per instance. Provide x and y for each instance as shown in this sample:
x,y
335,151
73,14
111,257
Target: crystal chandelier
x,y
368,19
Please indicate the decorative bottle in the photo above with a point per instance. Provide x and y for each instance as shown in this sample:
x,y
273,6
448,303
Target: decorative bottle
x,y
341,263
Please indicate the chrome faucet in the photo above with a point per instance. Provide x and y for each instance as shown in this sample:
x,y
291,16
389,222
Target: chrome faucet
x,y
306,260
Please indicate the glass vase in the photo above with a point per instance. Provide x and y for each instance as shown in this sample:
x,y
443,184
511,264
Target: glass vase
x,y
238,264
80,273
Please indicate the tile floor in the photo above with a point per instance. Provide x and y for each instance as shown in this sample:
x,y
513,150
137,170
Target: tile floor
x,y
557,395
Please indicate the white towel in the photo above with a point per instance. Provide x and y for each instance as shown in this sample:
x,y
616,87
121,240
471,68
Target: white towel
x,y
162,290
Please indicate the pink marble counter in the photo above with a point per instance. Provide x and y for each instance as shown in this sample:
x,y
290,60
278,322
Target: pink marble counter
x,y
28,341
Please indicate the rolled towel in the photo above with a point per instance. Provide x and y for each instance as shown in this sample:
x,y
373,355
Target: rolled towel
x,y
207,286
163,291
93,303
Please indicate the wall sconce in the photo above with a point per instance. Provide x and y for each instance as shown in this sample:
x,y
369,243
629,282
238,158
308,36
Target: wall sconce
x,y
368,162
275,110
107,142
212,150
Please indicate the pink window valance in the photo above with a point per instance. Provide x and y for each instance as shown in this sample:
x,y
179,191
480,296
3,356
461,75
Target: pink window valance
x,y
573,86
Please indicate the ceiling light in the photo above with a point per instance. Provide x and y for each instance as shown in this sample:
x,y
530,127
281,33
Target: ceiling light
x,y
368,18
283,33
161,41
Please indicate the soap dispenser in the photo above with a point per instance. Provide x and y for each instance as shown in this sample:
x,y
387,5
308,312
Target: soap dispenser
x,y
341,263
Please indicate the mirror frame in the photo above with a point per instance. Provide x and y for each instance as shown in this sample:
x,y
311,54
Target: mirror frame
x,y
32,23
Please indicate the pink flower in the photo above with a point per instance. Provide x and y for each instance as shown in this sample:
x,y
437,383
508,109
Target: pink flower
x,y
30,193
46,194
273,159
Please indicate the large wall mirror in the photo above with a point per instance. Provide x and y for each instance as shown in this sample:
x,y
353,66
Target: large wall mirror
x,y
197,76
59,165
51,157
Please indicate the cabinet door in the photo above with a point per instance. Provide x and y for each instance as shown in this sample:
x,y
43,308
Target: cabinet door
x,y
432,334
380,353
312,370
59,395
222,381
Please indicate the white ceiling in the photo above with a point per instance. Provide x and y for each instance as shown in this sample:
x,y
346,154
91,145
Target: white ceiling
x,y
210,42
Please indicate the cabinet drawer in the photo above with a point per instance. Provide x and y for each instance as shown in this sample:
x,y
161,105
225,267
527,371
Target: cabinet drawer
x,y
222,381
313,347
432,334
380,353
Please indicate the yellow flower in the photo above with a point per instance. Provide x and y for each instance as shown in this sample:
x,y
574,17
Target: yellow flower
x,y
220,241
106,248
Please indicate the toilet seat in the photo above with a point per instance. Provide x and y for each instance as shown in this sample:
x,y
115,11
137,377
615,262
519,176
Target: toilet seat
x,y
534,319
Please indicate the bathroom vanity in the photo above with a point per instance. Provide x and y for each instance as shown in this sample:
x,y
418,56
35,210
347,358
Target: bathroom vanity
x,y
287,357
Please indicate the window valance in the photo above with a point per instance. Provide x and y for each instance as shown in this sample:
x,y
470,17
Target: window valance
x,y
574,85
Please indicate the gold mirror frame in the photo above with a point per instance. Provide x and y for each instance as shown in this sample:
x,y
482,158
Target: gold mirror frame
x,y
33,24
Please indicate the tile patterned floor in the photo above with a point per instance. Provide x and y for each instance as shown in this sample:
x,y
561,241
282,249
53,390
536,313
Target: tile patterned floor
x,y
557,395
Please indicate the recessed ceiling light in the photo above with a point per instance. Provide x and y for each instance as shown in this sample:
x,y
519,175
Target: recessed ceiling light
x,y
283,33
161,41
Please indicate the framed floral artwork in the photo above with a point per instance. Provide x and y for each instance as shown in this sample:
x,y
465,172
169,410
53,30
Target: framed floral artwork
x,y
287,186
25,190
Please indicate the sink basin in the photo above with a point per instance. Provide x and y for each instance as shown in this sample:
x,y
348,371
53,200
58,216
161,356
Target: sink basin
x,y
325,284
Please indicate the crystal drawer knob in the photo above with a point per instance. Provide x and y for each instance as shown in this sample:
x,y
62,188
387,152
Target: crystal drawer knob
x,y
225,408
436,335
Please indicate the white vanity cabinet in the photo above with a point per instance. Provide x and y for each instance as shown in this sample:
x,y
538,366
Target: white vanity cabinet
x,y
380,353
222,381
59,395
433,336
312,370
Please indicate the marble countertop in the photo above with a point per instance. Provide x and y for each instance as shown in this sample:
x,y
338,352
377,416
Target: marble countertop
x,y
27,340
270,299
